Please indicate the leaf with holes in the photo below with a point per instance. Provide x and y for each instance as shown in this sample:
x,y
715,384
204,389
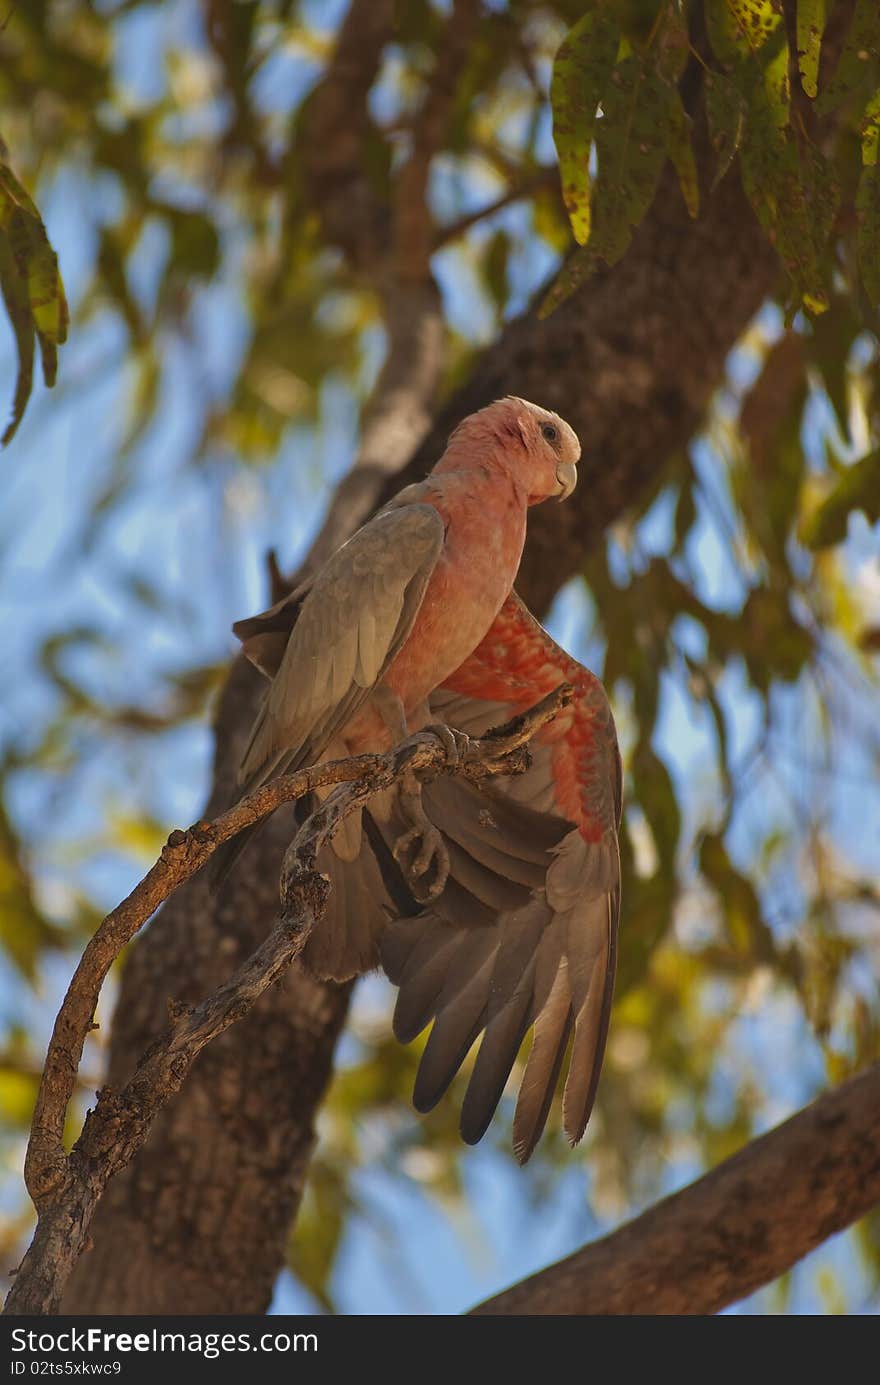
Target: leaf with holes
x,y
581,73
631,146
789,184
858,67
632,141
868,202
739,27
810,25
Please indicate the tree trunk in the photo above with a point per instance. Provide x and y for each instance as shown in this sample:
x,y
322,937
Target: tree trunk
x,y
199,1222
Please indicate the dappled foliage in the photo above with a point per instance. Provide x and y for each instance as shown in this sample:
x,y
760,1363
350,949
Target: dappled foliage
x,y
223,343
807,157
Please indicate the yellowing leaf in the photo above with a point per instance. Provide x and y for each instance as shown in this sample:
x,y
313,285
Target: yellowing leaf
x,y
870,130
631,144
857,67
752,22
868,215
868,201
581,71
810,24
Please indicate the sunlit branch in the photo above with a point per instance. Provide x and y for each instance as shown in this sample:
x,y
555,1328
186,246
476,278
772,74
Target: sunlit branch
x,y
65,1187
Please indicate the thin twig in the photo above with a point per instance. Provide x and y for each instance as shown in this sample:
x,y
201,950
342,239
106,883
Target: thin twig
x,y
518,192
67,1187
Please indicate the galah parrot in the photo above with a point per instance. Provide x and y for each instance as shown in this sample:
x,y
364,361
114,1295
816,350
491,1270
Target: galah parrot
x,y
493,908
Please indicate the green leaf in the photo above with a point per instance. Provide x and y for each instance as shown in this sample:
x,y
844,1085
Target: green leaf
x,y
638,129
725,112
655,792
788,182
858,65
24,932
581,72
32,289
868,201
18,308
746,928
829,349
870,130
858,488
774,644
195,245
685,512
739,27
495,267
631,144
682,155
868,217
810,24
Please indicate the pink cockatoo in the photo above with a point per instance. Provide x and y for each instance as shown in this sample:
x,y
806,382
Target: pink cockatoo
x,y
493,909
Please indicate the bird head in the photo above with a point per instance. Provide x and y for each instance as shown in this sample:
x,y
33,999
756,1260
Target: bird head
x,y
534,446
552,448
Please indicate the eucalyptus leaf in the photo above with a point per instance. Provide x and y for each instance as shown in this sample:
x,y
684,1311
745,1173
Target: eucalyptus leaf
x,y
858,68
581,72
810,24
858,488
32,290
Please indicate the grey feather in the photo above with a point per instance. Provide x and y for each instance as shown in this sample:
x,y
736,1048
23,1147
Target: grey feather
x,y
549,1040
345,942
505,1032
353,619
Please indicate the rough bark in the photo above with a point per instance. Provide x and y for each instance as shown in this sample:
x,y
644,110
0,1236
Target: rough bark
x,y
66,1188
738,1227
630,362
199,1221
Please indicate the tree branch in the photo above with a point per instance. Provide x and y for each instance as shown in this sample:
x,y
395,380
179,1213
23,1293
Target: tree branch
x,y
546,177
413,223
630,360
399,261
336,133
740,1226
66,1188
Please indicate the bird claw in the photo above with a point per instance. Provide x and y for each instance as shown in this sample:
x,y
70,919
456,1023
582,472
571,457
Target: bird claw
x,y
420,851
454,742
427,869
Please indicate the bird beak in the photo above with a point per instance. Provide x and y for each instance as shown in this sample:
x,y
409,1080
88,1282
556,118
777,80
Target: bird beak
x,y
567,476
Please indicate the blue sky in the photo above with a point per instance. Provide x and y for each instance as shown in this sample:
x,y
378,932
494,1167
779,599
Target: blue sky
x,y
160,581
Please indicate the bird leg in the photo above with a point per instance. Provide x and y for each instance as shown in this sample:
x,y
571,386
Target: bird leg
x,y
419,850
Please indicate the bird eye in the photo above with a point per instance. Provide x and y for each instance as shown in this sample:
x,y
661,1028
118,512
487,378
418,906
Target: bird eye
x,y
550,431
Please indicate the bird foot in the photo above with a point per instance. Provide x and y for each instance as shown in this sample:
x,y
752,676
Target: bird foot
x,y
421,851
455,742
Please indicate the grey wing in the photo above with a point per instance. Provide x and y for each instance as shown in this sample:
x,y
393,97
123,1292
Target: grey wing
x,y
351,623
523,936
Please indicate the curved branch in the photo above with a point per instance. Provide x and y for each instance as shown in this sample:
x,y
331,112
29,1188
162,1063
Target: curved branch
x,y
740,1226
66,1188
